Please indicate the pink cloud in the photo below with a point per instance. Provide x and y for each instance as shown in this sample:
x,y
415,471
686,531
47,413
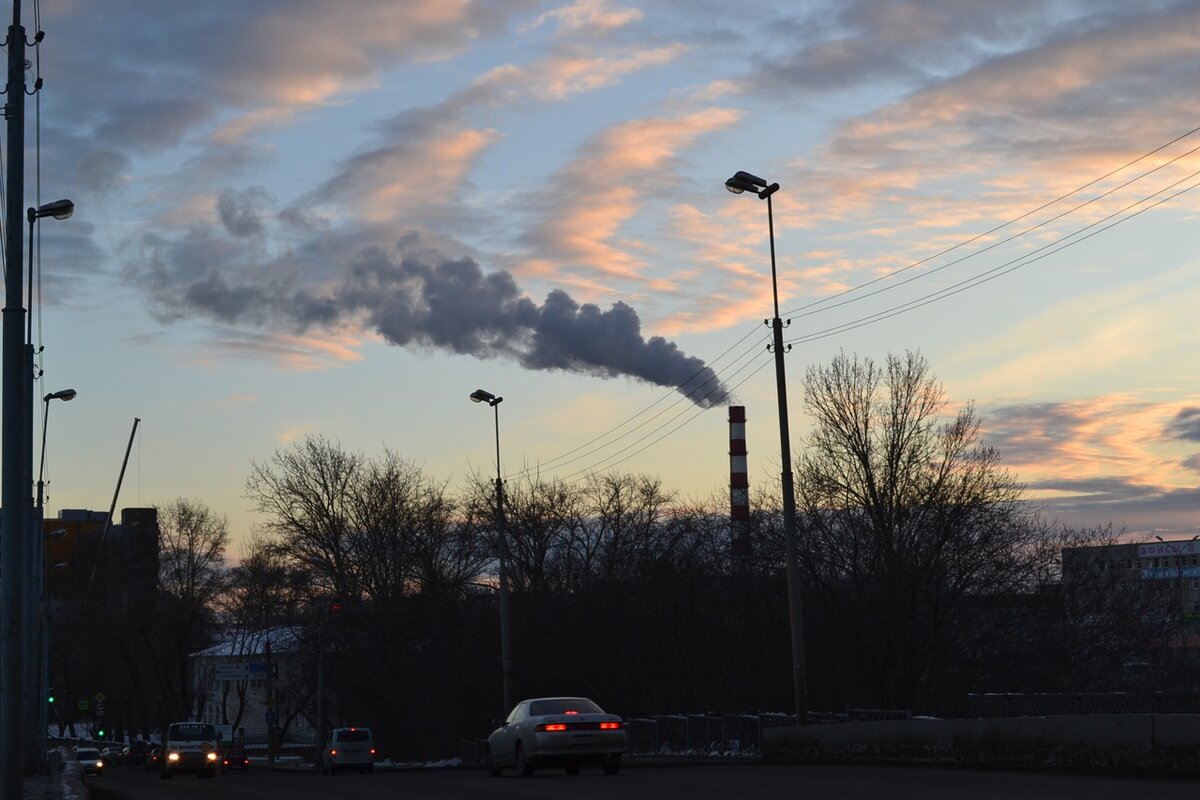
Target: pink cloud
x,y
594,197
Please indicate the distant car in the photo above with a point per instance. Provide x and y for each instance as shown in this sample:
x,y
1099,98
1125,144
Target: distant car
x,y
189,747
562,731
235,758
153,756
111,754
134,752
90,761
347,748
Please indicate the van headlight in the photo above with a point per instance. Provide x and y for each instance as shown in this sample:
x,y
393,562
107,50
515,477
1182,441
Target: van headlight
x,y
172,757
212,756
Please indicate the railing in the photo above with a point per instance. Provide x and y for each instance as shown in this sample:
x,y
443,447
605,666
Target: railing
x,y
1044,705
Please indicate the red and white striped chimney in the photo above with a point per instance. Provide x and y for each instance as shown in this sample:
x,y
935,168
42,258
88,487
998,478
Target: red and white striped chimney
x,y
739,484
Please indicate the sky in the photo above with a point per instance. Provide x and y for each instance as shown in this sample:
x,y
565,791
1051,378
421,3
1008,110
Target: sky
x,y
340,218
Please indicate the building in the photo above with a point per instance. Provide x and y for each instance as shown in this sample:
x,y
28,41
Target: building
x,y
1168,570
231,685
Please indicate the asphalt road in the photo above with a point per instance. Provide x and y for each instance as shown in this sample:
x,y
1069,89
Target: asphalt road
x,y
666,783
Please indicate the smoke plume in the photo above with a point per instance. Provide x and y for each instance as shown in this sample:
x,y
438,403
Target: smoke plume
x,y
415,299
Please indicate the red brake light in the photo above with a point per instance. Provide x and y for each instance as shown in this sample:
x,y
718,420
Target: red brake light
x,y
333,752
610,726
556,726
571,711
372,751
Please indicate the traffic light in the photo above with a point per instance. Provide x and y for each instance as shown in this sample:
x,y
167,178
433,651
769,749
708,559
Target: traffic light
x,y
50,699
100,733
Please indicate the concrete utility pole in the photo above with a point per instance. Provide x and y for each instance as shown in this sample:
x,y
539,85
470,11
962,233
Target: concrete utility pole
x,y
16,462
742,182
506,669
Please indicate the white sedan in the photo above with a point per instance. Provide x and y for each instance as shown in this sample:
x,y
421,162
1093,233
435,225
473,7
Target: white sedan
x,y
564,731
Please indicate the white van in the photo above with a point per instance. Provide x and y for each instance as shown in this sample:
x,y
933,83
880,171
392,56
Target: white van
x,y
347,748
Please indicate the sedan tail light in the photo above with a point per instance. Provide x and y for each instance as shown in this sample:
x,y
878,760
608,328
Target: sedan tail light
x,y
552,726
610,726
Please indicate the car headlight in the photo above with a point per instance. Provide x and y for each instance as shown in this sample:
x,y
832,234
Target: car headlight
x,y
212,756
172,756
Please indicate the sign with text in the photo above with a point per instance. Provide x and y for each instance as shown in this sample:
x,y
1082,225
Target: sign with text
x,y
1159,549
231,672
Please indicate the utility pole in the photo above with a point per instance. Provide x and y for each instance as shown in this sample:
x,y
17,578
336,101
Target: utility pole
x,y
270,703
16,461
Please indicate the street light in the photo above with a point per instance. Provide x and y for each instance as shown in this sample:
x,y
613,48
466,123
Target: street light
x,y
42,647
480,396
745,182
33,558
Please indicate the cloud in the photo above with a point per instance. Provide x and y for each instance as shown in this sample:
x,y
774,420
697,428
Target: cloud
x,y
241,212
1186,425
584,206
1110,448
588,17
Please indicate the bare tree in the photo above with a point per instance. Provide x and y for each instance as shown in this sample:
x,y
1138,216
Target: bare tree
x,y
906,514
192,577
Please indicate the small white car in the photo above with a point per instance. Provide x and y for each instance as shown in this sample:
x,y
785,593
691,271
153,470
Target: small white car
x,y
90,761
563,731
347,748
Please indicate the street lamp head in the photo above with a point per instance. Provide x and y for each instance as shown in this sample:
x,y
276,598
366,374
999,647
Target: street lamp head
x,y
745,182
480,396
62,394
59,209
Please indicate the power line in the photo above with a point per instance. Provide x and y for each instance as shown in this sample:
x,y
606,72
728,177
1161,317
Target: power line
x,y
1003,225
1006,267
562,460
999,242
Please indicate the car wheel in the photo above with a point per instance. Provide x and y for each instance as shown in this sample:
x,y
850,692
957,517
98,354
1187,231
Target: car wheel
x,y
524,765
572,769
611,765
492,770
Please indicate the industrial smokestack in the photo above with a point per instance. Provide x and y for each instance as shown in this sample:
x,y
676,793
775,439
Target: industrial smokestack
x,y
739,485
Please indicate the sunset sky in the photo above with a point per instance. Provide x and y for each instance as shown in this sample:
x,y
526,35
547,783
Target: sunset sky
x,y
340,217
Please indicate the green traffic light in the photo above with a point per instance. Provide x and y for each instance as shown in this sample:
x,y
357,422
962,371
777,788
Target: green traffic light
x,y
100,734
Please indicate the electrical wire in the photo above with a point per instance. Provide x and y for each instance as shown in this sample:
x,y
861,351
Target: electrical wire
x,y
1012,221
1006,267
563,459
576,477
999,242
1003,269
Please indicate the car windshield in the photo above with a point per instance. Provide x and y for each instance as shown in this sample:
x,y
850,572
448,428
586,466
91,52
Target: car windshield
x,y
360,735
87,754
563,705
191,732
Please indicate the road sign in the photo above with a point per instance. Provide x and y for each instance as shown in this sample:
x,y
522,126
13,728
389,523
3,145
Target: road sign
x,y
83,705
257,669
99,697
231,672
99,709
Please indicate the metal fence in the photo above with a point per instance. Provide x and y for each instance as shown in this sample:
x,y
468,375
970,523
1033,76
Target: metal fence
x,y
1044,705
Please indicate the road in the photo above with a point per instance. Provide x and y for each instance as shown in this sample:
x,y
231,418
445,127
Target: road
x,y
812,782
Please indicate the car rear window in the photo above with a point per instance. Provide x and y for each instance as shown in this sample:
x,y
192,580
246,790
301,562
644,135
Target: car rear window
x,y
564,706
354,736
